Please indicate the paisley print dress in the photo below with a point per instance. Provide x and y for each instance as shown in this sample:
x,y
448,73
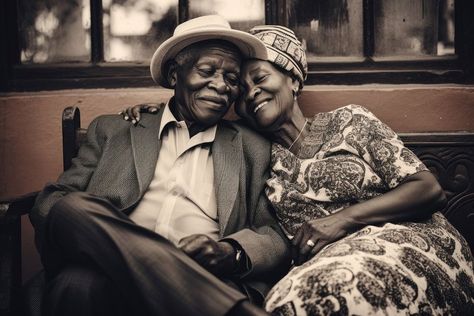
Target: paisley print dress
x,y
421,268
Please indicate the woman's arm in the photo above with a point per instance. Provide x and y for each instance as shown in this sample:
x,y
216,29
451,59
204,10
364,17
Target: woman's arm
x,y
417,196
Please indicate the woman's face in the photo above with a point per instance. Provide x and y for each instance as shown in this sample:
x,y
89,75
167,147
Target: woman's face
x,y
267,97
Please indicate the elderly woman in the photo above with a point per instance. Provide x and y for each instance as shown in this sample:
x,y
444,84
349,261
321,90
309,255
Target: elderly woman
x,y
359,206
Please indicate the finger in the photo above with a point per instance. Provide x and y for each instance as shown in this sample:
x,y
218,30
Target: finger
x,y
194,244
300,243
304,249
124,114
191,245
151,108
316,249
294,244
130,114
320,244
136,112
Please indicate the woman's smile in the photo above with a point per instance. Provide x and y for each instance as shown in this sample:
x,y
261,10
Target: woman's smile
x,y
259,106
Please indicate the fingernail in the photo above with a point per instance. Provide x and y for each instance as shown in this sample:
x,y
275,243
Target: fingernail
x,y
119,113
126,117
134,121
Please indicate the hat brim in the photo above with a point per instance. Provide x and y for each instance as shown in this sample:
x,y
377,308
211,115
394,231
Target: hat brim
x,y
249,45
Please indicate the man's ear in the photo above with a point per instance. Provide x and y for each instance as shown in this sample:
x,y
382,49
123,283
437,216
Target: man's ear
x,y
172,75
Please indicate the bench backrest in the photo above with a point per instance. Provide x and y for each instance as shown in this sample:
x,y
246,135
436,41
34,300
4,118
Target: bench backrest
x,y
450,156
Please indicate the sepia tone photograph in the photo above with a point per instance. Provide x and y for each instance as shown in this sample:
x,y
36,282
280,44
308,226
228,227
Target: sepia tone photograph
x,y
236,158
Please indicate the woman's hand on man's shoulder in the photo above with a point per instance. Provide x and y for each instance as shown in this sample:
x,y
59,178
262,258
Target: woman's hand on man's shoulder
x,y
132,113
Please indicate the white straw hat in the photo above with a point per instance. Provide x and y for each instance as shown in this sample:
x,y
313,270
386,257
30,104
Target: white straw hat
x,y
200,29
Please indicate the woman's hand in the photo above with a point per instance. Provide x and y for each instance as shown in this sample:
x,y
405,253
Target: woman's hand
x,y
418,196
313,235
133,113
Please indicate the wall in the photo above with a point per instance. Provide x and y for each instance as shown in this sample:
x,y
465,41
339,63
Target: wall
x,y
30,125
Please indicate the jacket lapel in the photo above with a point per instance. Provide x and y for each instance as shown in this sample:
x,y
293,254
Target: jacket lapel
x,y
227,158
146,146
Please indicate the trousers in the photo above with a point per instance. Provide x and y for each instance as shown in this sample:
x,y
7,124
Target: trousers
x,y
99,262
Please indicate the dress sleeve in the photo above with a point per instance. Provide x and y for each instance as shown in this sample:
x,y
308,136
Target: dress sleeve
x,y
381,147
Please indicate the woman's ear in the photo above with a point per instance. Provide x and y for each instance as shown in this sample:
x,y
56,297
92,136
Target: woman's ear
x,y
295,87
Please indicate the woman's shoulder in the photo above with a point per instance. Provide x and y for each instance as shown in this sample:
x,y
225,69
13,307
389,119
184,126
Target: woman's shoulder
x,y
349,115
340,118
353,109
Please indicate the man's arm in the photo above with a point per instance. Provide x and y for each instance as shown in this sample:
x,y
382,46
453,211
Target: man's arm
x,y
259,246
74,179
264,242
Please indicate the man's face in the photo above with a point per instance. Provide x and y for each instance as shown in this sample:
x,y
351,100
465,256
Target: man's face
x,y
207,85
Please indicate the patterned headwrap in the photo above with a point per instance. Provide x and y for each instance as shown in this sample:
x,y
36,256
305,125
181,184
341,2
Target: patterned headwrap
x,y
283,49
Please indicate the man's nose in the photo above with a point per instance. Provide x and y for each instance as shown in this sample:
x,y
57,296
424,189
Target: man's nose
x,y
219,84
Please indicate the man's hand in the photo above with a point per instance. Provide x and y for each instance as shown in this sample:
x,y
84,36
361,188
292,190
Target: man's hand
x,y
218,257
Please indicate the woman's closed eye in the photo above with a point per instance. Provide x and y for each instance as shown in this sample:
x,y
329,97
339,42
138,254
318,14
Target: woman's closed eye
x,y
260,78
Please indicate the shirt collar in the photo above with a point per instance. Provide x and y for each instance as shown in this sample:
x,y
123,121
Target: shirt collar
x,y
206,136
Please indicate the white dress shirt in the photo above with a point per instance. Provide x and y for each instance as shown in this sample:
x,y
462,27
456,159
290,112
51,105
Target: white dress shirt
x,y
180,200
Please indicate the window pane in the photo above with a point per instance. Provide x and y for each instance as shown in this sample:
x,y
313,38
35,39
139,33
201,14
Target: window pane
x,y
133,29
328,28
446,28
242,14
414,27
54,30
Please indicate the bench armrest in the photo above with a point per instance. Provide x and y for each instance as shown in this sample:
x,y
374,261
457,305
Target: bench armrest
x,y
17,206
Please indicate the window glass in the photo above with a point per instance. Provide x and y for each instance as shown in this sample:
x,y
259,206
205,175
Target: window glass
x,y
414,27
328,28
133,29
54,31
242,14
446,28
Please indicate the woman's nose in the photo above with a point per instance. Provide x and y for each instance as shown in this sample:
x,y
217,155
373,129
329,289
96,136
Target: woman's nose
x,y
253,93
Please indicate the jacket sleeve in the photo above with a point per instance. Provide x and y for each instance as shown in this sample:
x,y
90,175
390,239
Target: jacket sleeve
x,y
264,242
76,178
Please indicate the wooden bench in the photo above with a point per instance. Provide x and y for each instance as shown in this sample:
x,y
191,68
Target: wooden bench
x,y
450,156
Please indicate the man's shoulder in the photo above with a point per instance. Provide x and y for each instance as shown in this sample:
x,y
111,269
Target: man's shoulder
x,y
247,133
254,145
110,118
111,122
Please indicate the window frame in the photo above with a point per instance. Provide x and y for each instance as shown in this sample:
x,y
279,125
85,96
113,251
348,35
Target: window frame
x,y
100,74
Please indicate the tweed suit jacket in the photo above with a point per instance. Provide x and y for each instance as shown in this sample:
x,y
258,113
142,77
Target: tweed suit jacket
x,y
118,162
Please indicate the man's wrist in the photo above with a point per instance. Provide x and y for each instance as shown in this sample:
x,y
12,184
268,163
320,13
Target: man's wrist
x,y
239,257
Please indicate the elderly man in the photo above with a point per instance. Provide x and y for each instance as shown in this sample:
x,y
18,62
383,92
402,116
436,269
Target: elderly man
x,y
167,217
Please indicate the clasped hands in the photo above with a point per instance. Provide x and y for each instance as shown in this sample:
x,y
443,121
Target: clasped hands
x,y
315,234
218,257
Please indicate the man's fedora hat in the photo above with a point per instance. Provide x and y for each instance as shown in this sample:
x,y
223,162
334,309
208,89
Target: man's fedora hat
x,y
200,29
